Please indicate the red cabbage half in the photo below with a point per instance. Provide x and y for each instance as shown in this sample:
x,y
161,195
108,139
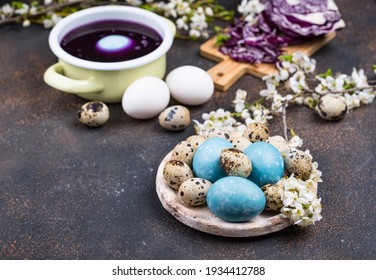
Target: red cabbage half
x,y
303,18
282,23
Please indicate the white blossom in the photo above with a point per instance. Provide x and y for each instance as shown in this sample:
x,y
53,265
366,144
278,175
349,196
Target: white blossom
x,y
22,10
270,91
239,100
295,142
181,23
273,79
359,78
134,2
209,11
26,23
6,11
198,24
48,23
300,203
366,96
250,9
305,63
352,100
297,82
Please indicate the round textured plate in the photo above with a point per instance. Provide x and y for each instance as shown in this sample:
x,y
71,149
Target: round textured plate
x,y
202,219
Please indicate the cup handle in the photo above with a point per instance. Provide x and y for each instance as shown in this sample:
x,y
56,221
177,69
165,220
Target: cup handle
x,y
54,77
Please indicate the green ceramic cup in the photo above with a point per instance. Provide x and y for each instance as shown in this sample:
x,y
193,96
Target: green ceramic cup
x,y
106,81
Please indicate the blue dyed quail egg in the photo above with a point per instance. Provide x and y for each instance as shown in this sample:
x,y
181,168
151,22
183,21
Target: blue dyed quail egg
x,y
192,192
240,143
235,199
206,160
235,163
256,132
300,164
195,141
93,113
175,118
183,151
175,172
267,163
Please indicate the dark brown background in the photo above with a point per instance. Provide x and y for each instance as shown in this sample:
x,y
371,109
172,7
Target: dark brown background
x,y
71,192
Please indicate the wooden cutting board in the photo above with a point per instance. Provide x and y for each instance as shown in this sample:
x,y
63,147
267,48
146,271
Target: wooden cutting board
x,y
228,71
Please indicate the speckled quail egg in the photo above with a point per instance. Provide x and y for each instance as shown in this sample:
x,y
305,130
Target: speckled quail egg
x,y
216,132
256,132
183,151
299,163
280,143
195,141
193,191
332,107
240,143
235,163
175,172
273,194
175,118
93,113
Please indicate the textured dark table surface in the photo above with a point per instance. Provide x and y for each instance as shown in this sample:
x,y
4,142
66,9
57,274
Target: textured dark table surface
x,y
71,192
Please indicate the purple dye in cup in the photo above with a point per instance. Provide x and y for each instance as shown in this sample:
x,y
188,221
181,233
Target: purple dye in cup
x,y
111,41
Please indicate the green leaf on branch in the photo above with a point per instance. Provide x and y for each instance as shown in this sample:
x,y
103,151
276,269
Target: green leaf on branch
x,y
17,4
221,38
328,73
285,57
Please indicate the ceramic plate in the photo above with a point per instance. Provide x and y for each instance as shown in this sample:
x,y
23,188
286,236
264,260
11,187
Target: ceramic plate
x,y
200,218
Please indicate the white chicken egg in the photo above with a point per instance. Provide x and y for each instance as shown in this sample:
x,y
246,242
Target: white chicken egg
x,y
145,98
190,85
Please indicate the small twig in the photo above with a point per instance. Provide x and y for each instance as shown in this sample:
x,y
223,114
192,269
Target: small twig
x,y
345,90
284,121
51,8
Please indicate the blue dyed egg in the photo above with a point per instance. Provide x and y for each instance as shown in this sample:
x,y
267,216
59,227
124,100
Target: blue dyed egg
x,y
206,160
235,199
267,163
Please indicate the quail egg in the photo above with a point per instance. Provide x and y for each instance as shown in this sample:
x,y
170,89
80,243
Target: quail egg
x,y
273,194
217,132
235,163
332,107
93,113
195,141
299,163
240,143
175,172
256,132
175,118
183,151
280,143
193,191
206,161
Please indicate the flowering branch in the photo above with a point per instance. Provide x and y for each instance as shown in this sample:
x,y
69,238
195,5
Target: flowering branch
x,y
193,18
17,11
